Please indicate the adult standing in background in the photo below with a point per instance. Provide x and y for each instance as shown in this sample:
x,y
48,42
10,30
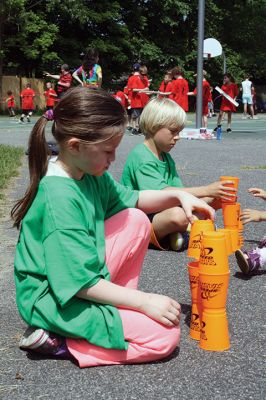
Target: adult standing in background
x,y
64,80
90,72
247,91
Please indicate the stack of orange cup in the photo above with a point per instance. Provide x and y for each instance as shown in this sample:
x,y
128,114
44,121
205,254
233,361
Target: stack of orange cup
x,y
197,230
213,284
231,214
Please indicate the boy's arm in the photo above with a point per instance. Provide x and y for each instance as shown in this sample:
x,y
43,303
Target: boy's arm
x,y
213,190
52,76
249,215
75,76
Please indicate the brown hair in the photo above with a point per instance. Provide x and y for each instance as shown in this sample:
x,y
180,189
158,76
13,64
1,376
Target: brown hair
x,y
82,113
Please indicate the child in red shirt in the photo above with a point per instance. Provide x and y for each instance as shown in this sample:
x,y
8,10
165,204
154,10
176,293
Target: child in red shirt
x,y
27,95
64,80
206,92
136,84
230,88
165,88
50,96
180,89
10,103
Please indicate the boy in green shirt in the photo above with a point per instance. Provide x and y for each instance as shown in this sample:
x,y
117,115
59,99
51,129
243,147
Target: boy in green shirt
x,y
150,166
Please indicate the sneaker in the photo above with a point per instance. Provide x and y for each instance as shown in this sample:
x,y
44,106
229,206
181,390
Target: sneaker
x,y
244,116
134,132
248,262
21,121
43,342
179,241
218,126
228,130
28,119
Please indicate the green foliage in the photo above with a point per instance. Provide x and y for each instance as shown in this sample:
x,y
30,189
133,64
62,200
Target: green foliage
x,y
10,160
38,35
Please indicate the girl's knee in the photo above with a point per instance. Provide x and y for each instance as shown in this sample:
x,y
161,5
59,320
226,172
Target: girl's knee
x,y
138,220
178,218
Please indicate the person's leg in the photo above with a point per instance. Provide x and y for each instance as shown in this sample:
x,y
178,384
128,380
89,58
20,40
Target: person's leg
x,y
169,221
229,121
127,236
204,121
148,340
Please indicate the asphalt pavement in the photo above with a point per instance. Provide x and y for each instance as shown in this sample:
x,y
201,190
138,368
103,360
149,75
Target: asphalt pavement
x,y
191,373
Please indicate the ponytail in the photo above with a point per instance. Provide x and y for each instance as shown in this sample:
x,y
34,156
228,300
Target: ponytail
x,y
38,162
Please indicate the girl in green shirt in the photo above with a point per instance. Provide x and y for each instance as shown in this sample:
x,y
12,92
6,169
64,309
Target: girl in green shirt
x,y
82,243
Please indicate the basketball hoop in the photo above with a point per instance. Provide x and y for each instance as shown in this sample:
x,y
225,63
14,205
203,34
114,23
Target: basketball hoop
x,y
211,48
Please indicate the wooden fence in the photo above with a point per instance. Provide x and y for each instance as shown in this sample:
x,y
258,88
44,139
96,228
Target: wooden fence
x,y
16,85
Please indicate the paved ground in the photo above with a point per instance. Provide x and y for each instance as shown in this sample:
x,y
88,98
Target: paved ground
x,y
191,373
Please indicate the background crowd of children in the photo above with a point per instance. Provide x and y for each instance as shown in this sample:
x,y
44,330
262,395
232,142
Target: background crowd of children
x,y
136,94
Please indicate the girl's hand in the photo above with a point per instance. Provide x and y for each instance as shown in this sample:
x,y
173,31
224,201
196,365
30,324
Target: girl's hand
x,y
220,190
249,215
161,308
258,193
191,203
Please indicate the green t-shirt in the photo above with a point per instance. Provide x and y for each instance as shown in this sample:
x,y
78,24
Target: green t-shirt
x,y
143,170
61,250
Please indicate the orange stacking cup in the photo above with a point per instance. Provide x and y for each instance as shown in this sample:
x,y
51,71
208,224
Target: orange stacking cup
x,y
213,290
234,184
234,238
197,229
214,334
213,255
228,240
231,215
193,270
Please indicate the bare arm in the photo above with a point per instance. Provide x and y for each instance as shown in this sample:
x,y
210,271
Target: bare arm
x,y
213,190
249,215
258,193
159,307
157,200
75,76
52,76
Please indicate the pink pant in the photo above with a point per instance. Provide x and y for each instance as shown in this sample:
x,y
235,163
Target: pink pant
x,y
127,238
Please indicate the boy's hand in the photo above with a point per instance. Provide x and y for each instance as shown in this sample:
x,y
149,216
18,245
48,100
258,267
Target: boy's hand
x,y
249,215
161,308
220,190
258,193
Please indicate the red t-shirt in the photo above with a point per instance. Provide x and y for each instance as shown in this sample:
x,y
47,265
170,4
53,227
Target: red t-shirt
x,y
64,78
232,90
50,100
206,90
179,92
165,87
138,100
27,99
11,101
120,96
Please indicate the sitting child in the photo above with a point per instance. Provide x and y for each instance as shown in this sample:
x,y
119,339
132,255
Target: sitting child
x,y
150,166
250,261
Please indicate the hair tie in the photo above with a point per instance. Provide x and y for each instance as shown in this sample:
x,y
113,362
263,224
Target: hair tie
x,y
49,115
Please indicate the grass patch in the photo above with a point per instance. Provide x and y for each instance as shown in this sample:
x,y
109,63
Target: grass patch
x,y
10,161
254,167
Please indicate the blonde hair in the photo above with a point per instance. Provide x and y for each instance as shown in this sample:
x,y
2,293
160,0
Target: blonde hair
x,y
161,113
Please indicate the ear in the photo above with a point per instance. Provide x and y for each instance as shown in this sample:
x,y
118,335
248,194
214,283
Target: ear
x,y
73,146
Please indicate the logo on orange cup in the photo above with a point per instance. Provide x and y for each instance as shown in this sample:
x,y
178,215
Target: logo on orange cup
x,y
210,290
195,242
193,280
195,322
205,257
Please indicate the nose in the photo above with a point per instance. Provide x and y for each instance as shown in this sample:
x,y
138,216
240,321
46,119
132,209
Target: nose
x,y
177,137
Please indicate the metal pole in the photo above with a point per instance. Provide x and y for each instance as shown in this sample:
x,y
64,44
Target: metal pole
x,y
201,12
224,59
